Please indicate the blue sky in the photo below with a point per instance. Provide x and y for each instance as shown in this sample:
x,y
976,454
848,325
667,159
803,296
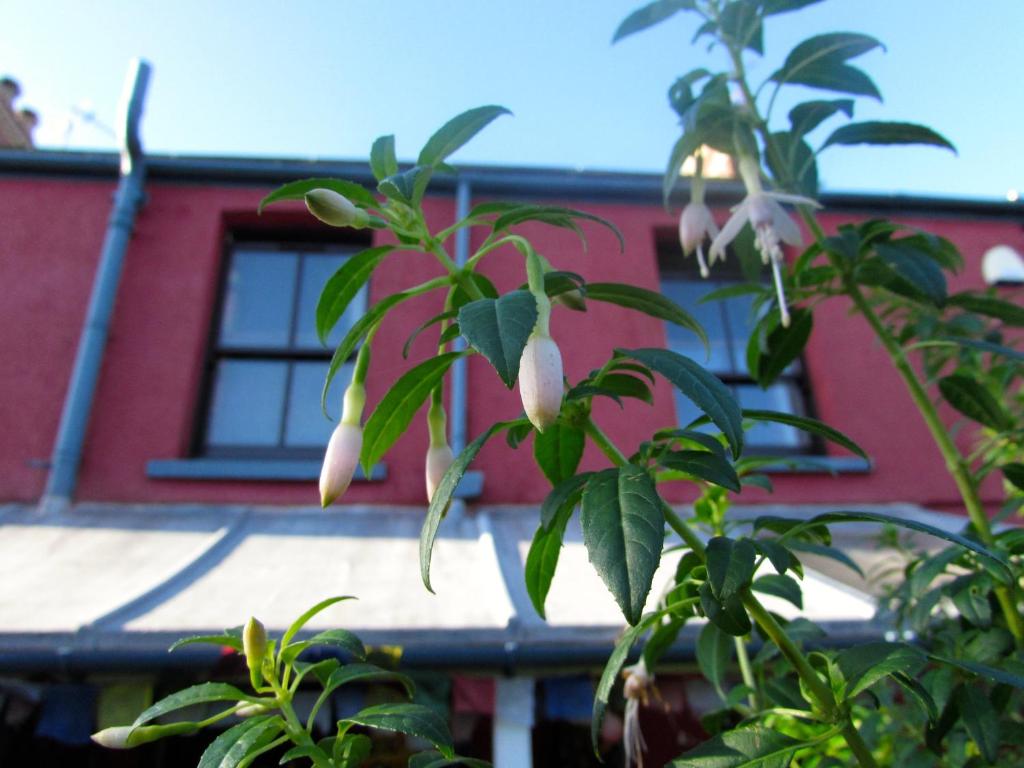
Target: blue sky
x,y
322,79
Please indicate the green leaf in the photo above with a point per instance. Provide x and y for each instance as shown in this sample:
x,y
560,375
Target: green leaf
x,y
623,531
413,719
610,674
794,161
558,451
805,117
343,287
864,665
407,186
806,424
700,387
830,47
626,386
919,693
542,559
1014,473
648,302
748,747
730,565
231,747
741,23
981,720
499,329
974,401
832,553
771,7
355,335
915,267
715,650
555,216
365,673
831,75
340,638
685,146
773,347
395,411
983,670
728,615
300,622
564,495
780,586
296,190
887,133
456,132
227,640
197,694
438,318
778,555
437,760
351,750
995,561
383,161
712,467
990,306
442,498
649,15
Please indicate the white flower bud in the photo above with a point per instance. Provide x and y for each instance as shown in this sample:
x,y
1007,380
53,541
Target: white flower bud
x,y
340,462
254,645
334,209
540,380
250,709
113,738
695,224
439,458
128,736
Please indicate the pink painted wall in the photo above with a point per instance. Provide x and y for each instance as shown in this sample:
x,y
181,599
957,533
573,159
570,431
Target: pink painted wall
x,y
149,388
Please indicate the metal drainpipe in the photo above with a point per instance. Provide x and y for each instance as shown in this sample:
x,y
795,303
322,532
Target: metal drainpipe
x,y
67,450
457,417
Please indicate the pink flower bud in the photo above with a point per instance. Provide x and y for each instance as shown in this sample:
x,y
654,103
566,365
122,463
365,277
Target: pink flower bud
x,y
540,380
340,462
334,209
439,458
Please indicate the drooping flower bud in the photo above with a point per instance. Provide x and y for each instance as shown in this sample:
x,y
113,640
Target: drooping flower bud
x,y
128,736
335,209
439,458
540,380
340,462
695,224
254,645
113,738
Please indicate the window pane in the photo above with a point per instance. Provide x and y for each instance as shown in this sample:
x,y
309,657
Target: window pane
x,y
248,400
306,425
317,269
778,397
741,323
258,301
687,294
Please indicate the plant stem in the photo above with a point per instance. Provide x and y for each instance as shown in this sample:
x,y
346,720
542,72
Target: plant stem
x,y
746,672
820,692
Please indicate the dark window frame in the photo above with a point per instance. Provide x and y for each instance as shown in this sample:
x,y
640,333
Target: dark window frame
x,y
286,240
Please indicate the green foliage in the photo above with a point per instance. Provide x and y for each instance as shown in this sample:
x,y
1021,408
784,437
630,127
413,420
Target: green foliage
x,y
499,330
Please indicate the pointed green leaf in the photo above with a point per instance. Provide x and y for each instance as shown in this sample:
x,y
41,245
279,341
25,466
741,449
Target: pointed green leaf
x,y
226,640
983,670
831,76
772,7
499,329
916,267
832,553
864,665
300,622
648,302
230,748
626,386
413,719
623,531
805,117
449,315
649,15
564,495
558,451
437,760
730,565
340,638
712,467
715,650
990,306
456,132
773,347
407,186
886,133
806,424
747,747
383,161
981,720
779,586
832,46
296,190
542,559
365,673
974,401
741,23
343,287
555,216
700,387
197,694
395,411
442,498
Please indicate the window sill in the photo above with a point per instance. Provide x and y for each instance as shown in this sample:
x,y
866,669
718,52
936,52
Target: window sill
x,y
819,465
295,470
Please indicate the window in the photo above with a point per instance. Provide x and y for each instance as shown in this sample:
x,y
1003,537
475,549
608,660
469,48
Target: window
x,y
266,365
728,324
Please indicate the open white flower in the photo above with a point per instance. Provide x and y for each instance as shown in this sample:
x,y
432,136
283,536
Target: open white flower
x,y
696,224
771,224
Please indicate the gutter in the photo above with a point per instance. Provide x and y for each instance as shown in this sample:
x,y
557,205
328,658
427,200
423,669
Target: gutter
x,y
74,419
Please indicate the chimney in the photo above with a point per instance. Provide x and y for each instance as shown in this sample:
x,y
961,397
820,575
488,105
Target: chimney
x,y
9,91
15,126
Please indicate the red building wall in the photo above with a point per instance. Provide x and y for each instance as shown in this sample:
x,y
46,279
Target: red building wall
x,y
151,379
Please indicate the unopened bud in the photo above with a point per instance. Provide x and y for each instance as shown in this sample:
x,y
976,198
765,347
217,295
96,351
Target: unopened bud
x,y
335,209
113,738
439,458
340,462
128,736
250,709
254,645
540,380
